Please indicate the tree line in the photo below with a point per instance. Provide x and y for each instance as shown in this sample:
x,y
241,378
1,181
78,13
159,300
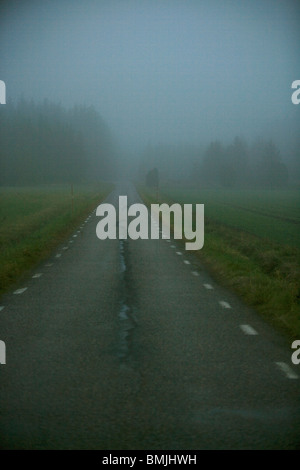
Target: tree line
x,y
46,143
218,165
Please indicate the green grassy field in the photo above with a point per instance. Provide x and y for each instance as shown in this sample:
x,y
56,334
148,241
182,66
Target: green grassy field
x,y
252,241
273,215
35,219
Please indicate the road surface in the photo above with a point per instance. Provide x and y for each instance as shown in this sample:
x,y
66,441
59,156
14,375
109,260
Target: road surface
x,y
131,345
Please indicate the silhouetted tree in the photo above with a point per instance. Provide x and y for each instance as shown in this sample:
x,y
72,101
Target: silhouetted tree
x,y
268,169
237,162
212,167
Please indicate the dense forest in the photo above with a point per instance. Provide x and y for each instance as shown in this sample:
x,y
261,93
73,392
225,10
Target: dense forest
x,y
217,165
45,143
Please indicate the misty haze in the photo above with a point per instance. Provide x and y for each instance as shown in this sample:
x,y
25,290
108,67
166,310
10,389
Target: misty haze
x,y
116,343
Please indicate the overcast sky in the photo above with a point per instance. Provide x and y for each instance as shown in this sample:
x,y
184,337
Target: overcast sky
x,y
157,71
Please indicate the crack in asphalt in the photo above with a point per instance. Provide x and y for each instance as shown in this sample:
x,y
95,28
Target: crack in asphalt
x,y
126,317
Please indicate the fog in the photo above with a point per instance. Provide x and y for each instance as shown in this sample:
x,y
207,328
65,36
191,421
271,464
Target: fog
x,y
160,72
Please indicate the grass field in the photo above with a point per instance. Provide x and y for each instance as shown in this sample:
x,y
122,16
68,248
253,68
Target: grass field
x,y
273,215
252,241
35,219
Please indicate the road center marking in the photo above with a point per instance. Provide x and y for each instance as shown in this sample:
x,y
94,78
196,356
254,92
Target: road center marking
x,y
48,265
186,261
20,291
178,253
285,368
58,255
208,286
195,273
248,330
1,308
37,275
224,304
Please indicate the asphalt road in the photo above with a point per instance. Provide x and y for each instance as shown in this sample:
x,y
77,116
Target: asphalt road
x,y
131,345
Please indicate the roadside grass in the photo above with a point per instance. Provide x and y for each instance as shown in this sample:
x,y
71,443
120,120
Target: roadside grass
x,y
33,220
264,272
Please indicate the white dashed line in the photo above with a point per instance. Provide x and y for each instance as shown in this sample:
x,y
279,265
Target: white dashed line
x,y
71,241
49,265
35,276
248,330
173,246
65,248
209,287
178,253
74,236
20,291
186,261
169,241
58,255
224,304
195,273
1,308
285,368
